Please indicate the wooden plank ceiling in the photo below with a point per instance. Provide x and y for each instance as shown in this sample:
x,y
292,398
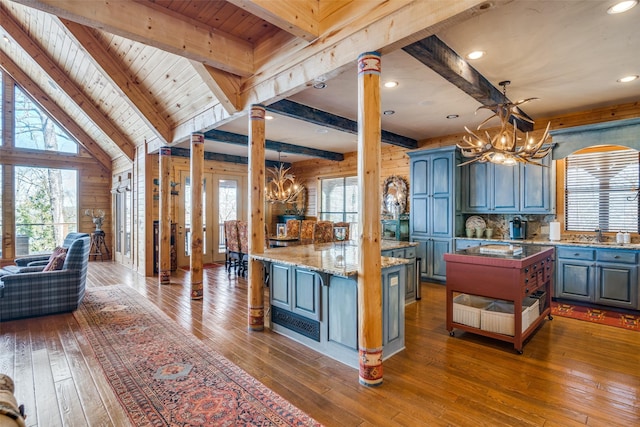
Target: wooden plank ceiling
x,y
132,72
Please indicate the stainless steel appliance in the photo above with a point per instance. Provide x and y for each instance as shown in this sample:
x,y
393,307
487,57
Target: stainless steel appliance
x,y
517,228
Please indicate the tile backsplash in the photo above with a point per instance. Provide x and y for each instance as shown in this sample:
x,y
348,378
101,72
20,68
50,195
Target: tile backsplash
x,y
538,228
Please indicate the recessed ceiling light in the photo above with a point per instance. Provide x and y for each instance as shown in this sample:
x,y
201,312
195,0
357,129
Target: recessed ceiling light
x,y
6,39
388,112
453,116
322,130
476,54
390,84
268,117
627,79
622,6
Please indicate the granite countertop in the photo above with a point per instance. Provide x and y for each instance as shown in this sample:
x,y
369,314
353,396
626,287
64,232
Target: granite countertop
x,y
563,242
386,245
326,257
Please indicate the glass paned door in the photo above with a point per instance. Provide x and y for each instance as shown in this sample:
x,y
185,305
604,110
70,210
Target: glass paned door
x,y
221,200
123,227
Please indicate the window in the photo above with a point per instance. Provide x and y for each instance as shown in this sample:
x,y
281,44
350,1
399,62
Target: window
x,y
46,208
601,191
34,129
339,201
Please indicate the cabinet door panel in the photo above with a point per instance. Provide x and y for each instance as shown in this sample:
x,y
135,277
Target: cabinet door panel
x,y
419,215
505,188
575,280
280,286
419,177
394,300
441,177
306,298
440,218
536,188
617,285
438,264
477,191
410,282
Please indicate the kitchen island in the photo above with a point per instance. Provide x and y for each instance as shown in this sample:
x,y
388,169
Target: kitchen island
x,y
508,273
314,300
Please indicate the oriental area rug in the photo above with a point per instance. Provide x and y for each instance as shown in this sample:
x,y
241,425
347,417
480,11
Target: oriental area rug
x,y
164,376
596,315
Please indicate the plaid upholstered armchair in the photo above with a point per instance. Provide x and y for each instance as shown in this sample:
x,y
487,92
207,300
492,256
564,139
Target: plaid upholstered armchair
x,y
32,263
47,292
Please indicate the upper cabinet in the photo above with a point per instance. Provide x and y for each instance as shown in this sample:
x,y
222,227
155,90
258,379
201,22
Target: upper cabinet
x,y
490,188
538,187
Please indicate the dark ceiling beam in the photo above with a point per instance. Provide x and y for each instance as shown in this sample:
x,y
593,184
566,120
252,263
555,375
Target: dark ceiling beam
x,y
435,54
342,124
282,147
228,158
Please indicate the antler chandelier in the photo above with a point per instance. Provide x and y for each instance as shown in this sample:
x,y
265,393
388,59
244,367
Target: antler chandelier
x,y
505,147
282,187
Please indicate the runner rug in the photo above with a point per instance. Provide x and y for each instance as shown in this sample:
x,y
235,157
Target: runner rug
x,y
595,315
164,376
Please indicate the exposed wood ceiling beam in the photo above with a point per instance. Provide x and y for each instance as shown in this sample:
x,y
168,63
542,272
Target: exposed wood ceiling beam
x,y
225,86
45,62
297,17
166,31
228,158
323,118
293,70
127,83
435,54
54,110
237,139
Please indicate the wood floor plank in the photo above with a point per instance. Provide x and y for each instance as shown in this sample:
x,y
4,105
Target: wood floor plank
x,y
571,373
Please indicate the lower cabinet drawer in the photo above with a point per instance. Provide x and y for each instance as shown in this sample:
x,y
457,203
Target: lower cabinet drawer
x,y
625,257
573,252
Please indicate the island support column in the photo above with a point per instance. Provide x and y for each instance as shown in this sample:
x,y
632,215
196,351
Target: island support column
x,y
369,265
195,261
164,238
256,216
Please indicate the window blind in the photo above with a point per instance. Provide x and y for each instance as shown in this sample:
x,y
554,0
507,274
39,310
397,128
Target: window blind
x,y
601,191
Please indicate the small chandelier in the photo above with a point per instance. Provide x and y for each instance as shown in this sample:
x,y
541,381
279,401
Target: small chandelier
x,y
282,187
505,147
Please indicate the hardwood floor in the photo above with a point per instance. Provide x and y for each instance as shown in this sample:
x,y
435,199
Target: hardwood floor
x,y
571,373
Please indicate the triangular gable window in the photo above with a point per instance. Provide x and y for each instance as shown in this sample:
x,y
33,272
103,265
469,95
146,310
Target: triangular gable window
x,y
36,130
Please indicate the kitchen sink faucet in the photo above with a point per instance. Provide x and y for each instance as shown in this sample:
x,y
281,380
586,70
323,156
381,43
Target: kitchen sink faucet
x,y
598,235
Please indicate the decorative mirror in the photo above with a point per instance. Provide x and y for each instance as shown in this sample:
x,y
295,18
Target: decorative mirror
x,y
394,192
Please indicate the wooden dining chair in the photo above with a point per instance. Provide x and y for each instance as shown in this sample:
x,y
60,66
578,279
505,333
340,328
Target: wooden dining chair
x,y
323,232
232,244
293,228
345,225
306,229
243,238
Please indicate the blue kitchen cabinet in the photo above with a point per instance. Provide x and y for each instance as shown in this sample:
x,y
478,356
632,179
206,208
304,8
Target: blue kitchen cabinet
x,y
435,216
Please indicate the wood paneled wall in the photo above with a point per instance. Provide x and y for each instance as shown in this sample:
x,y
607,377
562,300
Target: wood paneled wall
x,y
394,160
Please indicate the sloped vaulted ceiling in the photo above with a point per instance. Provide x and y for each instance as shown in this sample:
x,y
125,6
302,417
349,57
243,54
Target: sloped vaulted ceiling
x,y
130,72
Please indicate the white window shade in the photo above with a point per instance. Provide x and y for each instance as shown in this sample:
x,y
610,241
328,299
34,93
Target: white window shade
x,y
601,191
